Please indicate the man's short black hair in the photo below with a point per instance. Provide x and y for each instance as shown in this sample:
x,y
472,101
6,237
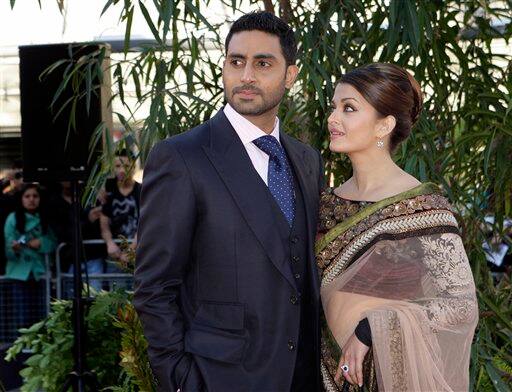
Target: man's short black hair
x,y
124,152
271,24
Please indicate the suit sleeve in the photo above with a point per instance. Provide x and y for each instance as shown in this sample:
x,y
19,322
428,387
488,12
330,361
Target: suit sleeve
x,y
165,235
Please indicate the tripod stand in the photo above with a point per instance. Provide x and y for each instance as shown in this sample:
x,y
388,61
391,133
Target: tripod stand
x,y
79,377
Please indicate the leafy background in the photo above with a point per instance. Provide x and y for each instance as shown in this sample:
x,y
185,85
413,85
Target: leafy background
x,y
458,52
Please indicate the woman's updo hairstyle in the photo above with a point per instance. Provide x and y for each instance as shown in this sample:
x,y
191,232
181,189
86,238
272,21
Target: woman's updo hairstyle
x,y
391,90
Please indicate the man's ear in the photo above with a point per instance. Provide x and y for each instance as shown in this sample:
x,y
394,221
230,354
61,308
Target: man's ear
x,y
291,74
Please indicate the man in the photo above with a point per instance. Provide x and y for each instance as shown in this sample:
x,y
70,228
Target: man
x,y
225,281
120,213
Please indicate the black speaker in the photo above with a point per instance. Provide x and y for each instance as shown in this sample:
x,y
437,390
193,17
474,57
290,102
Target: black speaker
x,y
52,149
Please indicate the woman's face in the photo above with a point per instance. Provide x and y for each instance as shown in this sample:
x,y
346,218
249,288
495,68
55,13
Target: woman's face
x,y
354,125
30,199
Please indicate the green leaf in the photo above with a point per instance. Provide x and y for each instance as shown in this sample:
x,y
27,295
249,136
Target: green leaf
x,y
497,382
149,22
128,30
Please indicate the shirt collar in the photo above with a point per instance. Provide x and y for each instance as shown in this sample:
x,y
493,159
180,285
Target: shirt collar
x,y
246,130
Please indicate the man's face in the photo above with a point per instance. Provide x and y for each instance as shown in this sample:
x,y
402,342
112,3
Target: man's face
x,y
255,74
122,168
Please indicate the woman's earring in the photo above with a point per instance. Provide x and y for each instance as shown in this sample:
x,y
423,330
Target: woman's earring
x,y
380,143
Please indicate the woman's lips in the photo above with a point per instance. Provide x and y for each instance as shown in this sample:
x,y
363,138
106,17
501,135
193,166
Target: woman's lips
x,y
335,134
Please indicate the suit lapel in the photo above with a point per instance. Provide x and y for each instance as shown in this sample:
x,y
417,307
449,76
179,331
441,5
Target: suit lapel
x,y
229,157
298,157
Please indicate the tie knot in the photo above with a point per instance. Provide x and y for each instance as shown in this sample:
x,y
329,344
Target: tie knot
x,y
269,145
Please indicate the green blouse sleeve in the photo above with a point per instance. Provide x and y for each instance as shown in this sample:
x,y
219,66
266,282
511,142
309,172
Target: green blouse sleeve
x,y
48,242
10,235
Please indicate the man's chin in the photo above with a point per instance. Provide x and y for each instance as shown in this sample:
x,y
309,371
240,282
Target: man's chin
x,y
248,108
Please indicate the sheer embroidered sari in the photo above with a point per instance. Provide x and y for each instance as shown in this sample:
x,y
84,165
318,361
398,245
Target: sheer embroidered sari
x,y
401,264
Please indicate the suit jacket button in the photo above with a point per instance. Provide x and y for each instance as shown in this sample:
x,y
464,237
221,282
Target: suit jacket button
x,y
291,345
295,259
295,239
293,299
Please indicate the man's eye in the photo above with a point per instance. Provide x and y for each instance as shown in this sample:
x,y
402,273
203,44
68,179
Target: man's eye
x,y
236,63
264,64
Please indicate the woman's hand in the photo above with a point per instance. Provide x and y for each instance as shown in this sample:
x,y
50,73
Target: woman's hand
x,y
34,243
16,246
353,355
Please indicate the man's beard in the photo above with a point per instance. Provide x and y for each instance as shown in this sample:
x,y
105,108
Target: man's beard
x,y
268,101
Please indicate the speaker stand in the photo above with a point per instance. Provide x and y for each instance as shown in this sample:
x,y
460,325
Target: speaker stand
x,y
80,377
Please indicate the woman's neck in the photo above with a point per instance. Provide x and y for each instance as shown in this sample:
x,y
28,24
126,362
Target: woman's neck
x,y
372,172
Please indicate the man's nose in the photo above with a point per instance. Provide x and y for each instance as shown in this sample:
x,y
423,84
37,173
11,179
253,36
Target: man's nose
x,y
248,74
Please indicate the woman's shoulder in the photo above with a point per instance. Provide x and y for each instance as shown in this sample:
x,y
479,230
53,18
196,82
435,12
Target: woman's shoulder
x,y
10,223
11,218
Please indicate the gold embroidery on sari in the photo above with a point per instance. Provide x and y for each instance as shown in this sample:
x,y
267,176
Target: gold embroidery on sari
x,y
423,220
447,262
334,209
448,265
398,371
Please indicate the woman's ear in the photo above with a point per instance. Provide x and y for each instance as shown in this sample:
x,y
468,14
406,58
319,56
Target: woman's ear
x,y
386,126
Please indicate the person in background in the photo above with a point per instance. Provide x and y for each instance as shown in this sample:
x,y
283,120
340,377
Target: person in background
x,y
28,238
62,220
120,213
9,187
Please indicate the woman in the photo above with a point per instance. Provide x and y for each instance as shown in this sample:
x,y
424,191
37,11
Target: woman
x,y
390,253
27,239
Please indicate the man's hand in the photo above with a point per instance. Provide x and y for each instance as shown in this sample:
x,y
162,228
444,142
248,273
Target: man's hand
x,y
94,214
113,250
353,355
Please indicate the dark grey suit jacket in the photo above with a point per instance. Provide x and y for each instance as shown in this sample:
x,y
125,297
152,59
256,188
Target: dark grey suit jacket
x,y
212,284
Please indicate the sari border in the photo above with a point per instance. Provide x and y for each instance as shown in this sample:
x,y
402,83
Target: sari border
x,y
327,378
426,221
442,229
423,189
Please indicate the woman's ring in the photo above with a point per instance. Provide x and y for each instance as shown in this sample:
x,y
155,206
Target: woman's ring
x,y
345,368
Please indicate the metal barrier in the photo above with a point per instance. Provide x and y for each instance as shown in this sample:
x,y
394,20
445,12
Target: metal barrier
x,y
23,303
109,280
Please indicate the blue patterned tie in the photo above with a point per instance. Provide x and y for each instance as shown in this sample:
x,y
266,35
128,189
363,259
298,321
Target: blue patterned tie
x,y
280,179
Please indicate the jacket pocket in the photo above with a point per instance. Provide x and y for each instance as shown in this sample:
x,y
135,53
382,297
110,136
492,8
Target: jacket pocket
x,y
217,332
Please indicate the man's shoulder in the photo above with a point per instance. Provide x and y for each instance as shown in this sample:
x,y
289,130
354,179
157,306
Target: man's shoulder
x,y
300,144
189,140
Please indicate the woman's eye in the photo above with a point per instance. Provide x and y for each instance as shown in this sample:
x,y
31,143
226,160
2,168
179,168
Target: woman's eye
x,y
349,108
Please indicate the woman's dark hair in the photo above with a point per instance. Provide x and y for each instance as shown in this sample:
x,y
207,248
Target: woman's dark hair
x,y
271,24
392,91
20,210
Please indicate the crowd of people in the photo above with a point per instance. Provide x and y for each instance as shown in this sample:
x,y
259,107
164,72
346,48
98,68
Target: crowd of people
x,y
35,218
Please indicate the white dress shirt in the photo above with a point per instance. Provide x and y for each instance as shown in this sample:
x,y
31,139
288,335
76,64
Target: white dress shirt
x,y
247,132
